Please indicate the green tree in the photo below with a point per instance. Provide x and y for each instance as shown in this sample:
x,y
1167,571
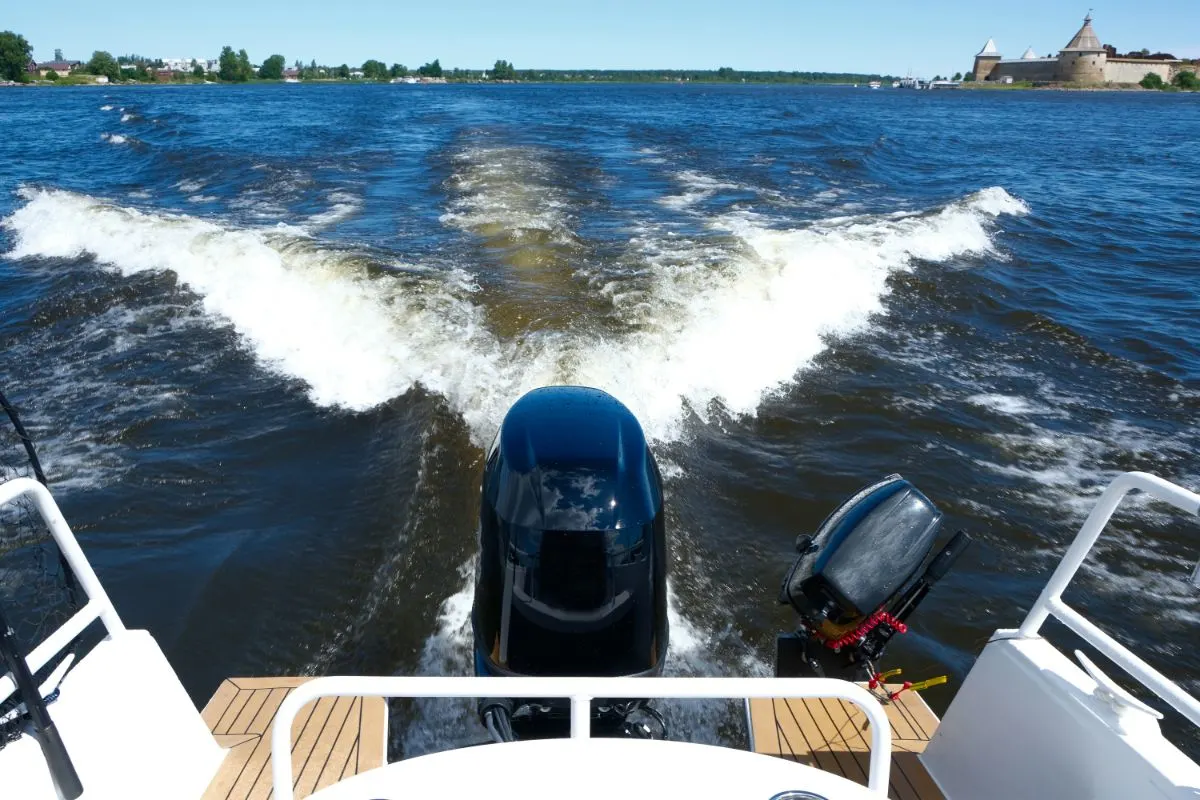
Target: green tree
x,y
197,71
1186,80
374,70
957,76
51,75
15,54
725,73
504,71
431,70
103,63
969,77
342,72
272,68
228,62
1152,81
398,71
245,71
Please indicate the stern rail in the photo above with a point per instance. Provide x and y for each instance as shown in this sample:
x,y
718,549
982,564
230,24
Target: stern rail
x,y
1050,601
581,692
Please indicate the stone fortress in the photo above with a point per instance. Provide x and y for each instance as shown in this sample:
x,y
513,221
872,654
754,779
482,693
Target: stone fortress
x,y
1083,61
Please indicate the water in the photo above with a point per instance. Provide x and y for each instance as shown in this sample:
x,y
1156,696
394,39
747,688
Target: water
x,y
262,334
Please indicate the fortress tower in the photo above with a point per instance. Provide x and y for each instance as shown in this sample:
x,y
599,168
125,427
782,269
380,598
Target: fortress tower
x,y
1083,59
986,60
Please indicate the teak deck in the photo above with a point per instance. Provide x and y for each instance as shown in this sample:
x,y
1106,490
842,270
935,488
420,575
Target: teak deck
x,y
332,738
834,735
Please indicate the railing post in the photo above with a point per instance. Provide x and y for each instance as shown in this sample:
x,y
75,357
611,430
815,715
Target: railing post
x,y
581,716
1092,527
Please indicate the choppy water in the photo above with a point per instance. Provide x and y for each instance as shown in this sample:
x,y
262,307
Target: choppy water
x,y
261,334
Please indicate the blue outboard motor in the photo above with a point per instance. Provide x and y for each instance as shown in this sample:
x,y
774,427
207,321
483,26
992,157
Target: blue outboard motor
x,y
572,569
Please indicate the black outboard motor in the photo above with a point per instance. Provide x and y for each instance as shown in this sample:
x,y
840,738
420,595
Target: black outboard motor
x,y
572,566
859,577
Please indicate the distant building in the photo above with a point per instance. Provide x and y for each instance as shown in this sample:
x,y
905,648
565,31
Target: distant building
x,y
1084,60
291,72
186,64
60,67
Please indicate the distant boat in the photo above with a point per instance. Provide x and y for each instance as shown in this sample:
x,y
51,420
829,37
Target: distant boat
x,y
895,84
945,84
909,83
874,84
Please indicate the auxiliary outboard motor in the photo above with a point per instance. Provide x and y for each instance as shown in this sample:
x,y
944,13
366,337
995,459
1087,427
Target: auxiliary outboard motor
x,y
859,577
571,578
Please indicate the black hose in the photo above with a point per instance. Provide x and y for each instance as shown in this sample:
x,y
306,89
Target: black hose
x,y
496,714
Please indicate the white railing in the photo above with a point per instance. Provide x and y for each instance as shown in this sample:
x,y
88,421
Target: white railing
x,y
1050,601
98,605
581,692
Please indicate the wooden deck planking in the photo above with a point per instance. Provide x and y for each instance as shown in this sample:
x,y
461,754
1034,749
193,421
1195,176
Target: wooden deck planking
x,y
834,735
332,738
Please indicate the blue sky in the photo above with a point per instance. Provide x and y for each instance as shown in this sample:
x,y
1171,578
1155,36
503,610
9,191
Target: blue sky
x,y
752,34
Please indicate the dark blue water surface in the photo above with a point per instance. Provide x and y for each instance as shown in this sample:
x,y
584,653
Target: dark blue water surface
x,y
262,334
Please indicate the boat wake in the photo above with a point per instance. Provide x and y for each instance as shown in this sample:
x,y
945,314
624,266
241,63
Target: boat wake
x,y
359,329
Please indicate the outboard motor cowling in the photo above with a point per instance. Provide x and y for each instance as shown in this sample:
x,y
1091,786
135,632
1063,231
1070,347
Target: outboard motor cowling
x,y
859,577
571,578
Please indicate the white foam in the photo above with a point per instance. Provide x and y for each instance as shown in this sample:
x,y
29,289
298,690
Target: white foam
x,y
202,198
734,335
114,138
343,205
127,117
305,312
1004,404
697,187
190,185
506,190
705,330
106,108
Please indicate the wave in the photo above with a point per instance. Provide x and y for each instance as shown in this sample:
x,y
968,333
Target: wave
x,y
697,187
306,312
507,195
700,336
734,335
343,205
115,138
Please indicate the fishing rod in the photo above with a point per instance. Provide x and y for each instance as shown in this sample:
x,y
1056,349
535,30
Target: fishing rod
x,y
62,771
25,440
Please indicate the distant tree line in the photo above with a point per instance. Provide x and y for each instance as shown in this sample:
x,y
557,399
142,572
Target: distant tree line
x,y
720,75
236,67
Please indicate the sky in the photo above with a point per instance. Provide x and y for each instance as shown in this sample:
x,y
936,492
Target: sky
x,y
866,36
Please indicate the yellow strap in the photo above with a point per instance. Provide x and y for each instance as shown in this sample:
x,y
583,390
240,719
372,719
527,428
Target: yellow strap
x,y
919,685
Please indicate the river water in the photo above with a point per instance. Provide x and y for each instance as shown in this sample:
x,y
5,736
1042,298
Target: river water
x,y
262,334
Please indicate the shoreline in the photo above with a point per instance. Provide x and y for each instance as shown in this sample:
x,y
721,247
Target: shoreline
x,y
971,86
